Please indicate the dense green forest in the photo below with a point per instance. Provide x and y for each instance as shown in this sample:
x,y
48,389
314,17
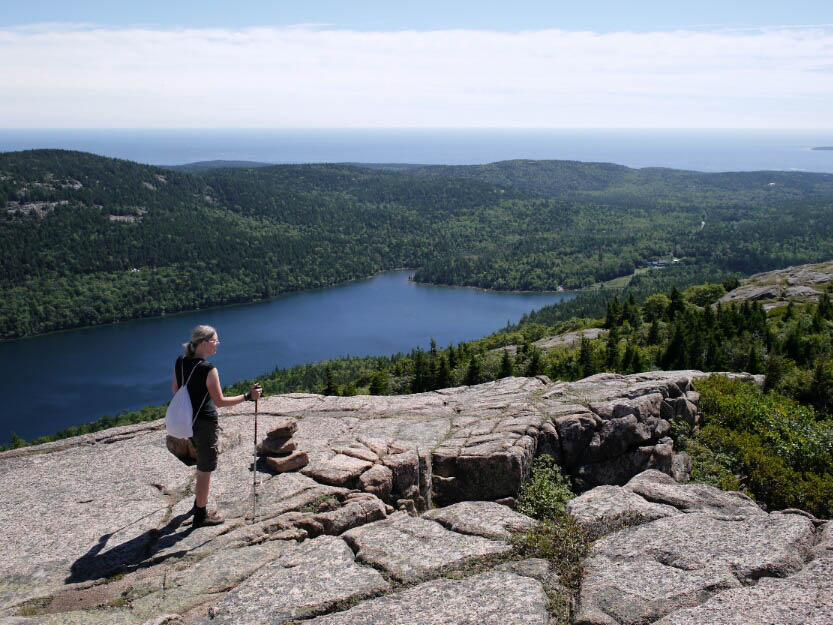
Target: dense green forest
x,y
90,240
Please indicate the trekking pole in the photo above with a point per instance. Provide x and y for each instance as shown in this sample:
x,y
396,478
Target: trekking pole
x,y
254,472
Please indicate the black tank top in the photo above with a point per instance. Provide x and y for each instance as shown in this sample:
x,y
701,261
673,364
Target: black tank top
x,y
197,389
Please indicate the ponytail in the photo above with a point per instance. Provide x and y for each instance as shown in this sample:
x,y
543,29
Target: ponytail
x,y
199,335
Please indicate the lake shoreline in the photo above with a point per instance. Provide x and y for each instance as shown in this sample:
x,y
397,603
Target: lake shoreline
x,y
280,295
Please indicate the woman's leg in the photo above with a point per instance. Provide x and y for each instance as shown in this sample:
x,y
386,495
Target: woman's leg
x,y
203,484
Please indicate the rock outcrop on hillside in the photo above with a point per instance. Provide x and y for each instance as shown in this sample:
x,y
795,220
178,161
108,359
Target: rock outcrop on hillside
x,y
802,283
396,504
700,556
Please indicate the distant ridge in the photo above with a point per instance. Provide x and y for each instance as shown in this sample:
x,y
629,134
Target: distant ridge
x,y
201,166
825,147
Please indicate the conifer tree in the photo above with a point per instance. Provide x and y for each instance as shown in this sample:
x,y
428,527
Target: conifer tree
x,y
534,367
330,388
585,358
612,350
506,368
443,374
473,372
380,383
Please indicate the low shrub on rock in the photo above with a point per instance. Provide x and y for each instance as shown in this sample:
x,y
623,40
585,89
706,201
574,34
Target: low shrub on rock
x,y
546,493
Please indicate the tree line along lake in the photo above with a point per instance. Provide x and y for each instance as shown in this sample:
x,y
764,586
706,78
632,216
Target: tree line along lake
x,y
58,380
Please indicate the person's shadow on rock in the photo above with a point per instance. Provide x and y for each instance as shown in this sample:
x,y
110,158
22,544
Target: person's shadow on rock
x,y
132,554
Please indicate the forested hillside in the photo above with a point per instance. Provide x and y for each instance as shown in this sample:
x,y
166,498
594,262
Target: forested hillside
x,y
89,240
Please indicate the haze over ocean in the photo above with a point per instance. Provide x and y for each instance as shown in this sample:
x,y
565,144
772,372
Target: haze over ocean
x,y
701,150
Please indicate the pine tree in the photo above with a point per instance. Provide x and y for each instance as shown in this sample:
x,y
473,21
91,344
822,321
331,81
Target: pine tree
x,y
675,355
535,366
380,383
585,358
612,350
452,357
473,372
330,388
653,333
443,374
506,368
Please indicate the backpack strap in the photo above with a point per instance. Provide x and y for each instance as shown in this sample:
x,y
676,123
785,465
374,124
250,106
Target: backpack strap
x,y
196,366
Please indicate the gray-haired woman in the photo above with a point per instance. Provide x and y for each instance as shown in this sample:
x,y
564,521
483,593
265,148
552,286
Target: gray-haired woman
x,y
206,396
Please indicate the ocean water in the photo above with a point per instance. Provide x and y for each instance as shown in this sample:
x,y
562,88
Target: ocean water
x,y
701,150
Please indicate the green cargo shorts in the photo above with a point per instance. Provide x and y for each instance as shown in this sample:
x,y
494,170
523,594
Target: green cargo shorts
x,y
205,442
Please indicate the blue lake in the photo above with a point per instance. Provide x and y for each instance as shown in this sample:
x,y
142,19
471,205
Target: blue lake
x,y
63,379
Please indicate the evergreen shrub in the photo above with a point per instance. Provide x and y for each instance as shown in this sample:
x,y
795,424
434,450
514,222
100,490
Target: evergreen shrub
x,y
545,494
781,451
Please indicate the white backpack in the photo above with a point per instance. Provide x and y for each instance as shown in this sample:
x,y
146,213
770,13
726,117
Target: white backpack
x,y
180,417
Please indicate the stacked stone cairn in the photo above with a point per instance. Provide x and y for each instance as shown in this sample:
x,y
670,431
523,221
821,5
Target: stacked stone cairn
x,y
280,450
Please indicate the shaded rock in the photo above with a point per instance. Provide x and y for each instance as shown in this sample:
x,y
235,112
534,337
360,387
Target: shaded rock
x,y
305,581
404,469
805,598
282,428
183,449
357,510
652,570
412,548
276,446
549,443
616,470
685,410
284,464
660,488
824,548
481,518
377,480
426,482
491,598
615,437
575,433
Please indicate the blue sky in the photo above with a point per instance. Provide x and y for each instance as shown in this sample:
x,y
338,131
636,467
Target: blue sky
x,y
595,15
521,63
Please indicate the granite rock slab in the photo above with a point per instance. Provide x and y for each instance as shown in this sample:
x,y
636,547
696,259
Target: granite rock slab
x,y
481,518
491,598
609,503
306,580
657,487
644,573
805,598
412,548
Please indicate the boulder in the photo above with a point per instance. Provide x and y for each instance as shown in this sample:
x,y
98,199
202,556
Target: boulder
x,y
377,480
282,428
276,446
283,464
336,470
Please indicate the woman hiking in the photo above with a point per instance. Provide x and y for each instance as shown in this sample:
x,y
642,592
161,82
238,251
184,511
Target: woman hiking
x,y
206,396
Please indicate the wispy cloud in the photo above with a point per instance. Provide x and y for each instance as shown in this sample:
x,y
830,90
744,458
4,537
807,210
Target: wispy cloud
x,y
87,76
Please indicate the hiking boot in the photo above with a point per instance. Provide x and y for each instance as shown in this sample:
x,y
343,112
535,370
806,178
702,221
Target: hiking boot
x,y
201,518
